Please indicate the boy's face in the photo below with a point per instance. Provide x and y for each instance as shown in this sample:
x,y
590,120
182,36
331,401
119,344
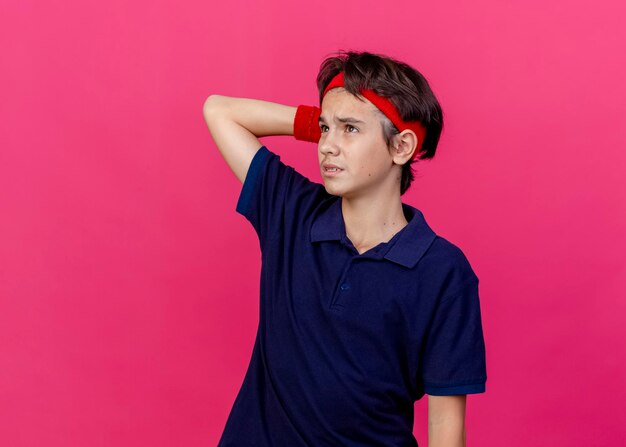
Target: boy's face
x,y
356,146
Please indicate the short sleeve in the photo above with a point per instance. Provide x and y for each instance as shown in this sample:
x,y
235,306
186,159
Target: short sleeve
x,y
453,359
274,196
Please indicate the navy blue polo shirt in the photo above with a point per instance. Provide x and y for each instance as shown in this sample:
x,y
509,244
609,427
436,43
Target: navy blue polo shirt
x,y
347,342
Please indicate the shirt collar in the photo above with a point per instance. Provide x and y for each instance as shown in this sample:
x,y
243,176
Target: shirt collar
x,y
407,249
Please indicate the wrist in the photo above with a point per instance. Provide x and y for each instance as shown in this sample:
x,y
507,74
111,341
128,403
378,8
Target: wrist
x,y
306,123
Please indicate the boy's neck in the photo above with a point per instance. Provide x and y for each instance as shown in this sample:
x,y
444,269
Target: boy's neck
x,y
370,221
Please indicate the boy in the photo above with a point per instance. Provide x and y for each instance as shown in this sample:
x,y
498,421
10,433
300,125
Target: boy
x,y
364,309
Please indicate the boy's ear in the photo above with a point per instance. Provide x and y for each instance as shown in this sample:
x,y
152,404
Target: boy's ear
x,y
404,145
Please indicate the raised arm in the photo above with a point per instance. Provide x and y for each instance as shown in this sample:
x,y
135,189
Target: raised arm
x,y
236,123
446,421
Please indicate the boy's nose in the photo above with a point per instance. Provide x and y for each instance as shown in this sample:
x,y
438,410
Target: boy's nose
x,y
327,142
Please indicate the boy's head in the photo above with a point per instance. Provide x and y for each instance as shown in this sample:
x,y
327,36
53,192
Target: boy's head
x,y
402,85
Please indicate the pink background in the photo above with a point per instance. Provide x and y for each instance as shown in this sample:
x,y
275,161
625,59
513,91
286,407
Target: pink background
x,y
129,284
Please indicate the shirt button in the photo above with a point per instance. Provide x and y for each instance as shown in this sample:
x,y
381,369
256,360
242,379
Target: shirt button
x,y
345,286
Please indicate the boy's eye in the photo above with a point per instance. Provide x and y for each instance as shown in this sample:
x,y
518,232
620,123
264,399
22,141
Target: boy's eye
x,y
350,128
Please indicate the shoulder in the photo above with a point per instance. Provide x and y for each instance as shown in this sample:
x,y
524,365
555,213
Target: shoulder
x,y
275,197
447,266
270,179
448,255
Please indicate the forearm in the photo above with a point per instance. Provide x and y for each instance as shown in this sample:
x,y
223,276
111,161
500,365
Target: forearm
x,y
261,118
236,123
446,421
446,435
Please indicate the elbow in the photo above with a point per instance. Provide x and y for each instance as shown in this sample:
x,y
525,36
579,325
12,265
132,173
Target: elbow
x,y
218,106
211,104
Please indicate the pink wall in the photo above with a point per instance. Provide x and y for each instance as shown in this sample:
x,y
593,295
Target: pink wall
x,y
129,284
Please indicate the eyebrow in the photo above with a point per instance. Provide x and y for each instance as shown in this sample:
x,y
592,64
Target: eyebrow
x,y
347,119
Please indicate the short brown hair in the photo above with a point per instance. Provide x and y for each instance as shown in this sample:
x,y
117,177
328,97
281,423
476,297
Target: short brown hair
x,y
403,85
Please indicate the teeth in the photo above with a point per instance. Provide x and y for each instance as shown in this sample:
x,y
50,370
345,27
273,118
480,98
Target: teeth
x,y
332,169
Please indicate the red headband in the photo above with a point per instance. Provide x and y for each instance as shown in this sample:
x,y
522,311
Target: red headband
x,y
388,109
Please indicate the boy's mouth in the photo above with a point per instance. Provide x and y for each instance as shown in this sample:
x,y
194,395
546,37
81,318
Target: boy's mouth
x,y
329,167
331,171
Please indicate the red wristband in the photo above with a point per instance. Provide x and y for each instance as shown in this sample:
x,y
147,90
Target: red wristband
x,y
306,124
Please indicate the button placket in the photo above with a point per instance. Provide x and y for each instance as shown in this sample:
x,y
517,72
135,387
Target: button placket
x,y
343,287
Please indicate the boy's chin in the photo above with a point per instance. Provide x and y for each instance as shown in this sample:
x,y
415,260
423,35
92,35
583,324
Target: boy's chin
x,y
338,193
333,190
